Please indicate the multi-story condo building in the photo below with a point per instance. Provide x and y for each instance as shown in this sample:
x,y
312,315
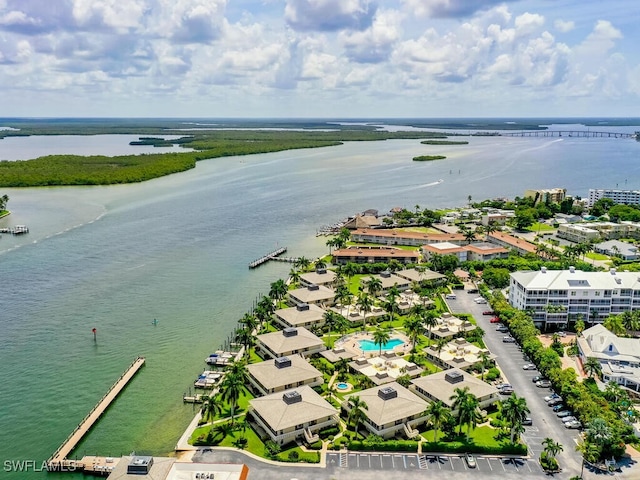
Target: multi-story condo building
x,y
628,197
552,195
553,297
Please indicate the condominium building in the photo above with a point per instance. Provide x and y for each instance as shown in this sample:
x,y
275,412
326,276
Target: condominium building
x,y
628,197
553,297
551,195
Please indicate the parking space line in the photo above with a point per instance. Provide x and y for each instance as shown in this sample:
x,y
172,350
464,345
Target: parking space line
x,y
404,459
490,467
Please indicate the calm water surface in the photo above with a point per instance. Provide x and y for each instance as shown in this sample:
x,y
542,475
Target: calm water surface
x,y
176,249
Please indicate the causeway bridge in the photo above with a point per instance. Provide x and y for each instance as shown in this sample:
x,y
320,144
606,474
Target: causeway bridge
x,y
570,133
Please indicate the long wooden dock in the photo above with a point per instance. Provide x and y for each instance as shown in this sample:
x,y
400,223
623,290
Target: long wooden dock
x,y
267,257
58,461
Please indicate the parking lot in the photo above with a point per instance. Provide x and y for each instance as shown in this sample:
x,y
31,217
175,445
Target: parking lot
x,y
434,463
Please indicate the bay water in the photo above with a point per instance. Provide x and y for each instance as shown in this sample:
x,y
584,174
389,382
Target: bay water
x,y
176,249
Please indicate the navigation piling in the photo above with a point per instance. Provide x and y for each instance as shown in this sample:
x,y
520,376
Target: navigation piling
x,y
58,461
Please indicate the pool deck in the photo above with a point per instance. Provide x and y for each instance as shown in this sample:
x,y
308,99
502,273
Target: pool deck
x,y
351,344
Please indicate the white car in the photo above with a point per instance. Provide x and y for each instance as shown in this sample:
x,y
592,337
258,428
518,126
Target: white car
x,y
450,296
480,300
529,366
568,419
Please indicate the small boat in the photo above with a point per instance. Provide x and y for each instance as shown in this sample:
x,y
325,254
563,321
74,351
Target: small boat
x,y
219,359
207,379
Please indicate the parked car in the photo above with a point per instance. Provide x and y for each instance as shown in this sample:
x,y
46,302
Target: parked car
x,y
502,329
500,386
563,413
470,459
537,378
495,320
562,334
488,312
528,366
506,391
473,290
480,300
508,339
543,384
553,396
527,421
450,296
554,402
570,418
559,407
575,424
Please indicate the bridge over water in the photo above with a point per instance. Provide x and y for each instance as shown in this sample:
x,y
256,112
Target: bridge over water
x,y
569,133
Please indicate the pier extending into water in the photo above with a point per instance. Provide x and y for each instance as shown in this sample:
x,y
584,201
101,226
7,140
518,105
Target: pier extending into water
x,y
267,257
58,461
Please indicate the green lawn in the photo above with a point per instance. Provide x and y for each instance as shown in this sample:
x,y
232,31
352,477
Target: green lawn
x,y
540,227
596,256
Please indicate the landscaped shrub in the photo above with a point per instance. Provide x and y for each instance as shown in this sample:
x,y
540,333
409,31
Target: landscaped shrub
x,y
492,374
387,446
457,447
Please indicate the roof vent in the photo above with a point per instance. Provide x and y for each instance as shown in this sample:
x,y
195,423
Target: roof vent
x,y
283,362
387,393
385,274
543,269
302,307
313,288
290,332
572,269
291,397
618,280
139,465
454,376
321,271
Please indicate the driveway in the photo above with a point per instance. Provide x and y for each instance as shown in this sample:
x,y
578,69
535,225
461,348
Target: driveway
x,y
510,360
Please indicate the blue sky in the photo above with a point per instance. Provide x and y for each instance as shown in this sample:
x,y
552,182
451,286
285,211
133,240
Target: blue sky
x,y
319,58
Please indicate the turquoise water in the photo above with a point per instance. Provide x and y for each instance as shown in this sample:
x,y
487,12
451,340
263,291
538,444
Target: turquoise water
x,y
369,345
176,249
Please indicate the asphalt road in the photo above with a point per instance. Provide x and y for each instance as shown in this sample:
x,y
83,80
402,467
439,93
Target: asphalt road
x,y
510,360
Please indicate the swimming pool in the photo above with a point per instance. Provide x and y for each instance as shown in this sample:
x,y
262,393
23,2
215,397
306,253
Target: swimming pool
x,y
370,345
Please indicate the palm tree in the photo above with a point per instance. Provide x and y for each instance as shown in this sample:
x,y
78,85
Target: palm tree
x,y
232,385
413,327
430,321
330,320
594,316
579,326
294,276
484,358
249,321
374,286
592,367
302,263
3,202
223,429
365,303
437,413
630,321
245,337
469,236
391,305
211,408
598,432
551,448
514,411
320,264
381,336
466,404
278,290
357,412
614,324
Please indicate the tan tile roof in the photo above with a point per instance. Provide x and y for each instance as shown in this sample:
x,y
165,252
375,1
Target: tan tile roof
x,y
292,316
442,390
382,412
305,295
280,416
375,252
269,376
513,241
278,343
319,278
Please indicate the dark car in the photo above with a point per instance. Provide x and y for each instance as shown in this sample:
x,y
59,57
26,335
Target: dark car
x,y
527,421
559,407
488,312
554,402
537,378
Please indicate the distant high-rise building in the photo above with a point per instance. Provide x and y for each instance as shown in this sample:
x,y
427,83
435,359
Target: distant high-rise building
x,y
551,195
628,197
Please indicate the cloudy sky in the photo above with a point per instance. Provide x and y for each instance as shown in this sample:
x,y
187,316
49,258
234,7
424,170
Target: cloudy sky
x,y
319,58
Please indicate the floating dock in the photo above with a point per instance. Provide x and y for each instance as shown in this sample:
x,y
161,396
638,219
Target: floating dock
x,y
17,230
58,461
267,257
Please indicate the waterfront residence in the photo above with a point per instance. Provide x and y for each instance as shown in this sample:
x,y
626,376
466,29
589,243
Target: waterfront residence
x,y
449,326
477,251
388,280
302,315
386,368
511,243
616,248
389,236
546,195
497,217
441,387
455,238
619,357
312,295
391,410
321,276
627,197
360,254
283,373
423,277
570,293
363,221
456,354
295,414
594,231
289,342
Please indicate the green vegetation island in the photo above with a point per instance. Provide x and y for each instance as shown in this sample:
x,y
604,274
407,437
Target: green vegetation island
x,y
428,158
204,144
